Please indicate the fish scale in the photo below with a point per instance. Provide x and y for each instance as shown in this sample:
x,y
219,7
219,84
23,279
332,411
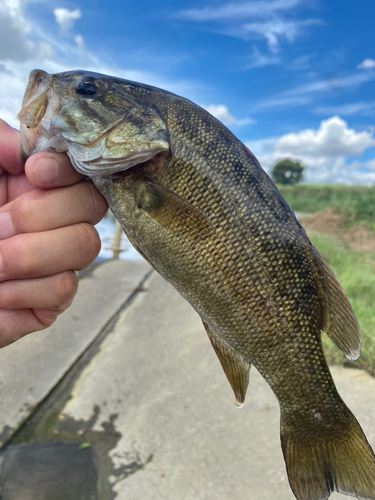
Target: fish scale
x,y
194,201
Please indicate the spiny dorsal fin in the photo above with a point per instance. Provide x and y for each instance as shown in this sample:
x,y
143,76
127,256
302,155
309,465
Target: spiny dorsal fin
x,y
339,321
172,211
235,368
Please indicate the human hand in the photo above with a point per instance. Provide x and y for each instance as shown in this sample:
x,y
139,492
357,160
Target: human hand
x,y
47,214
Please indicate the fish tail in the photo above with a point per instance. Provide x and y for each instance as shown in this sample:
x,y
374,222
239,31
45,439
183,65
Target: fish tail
x,y
316,468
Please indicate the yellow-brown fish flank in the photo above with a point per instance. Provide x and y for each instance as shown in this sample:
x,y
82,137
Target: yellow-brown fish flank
x,y
196,204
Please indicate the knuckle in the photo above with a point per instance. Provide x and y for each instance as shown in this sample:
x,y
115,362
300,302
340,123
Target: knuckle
x,y
65,287
23,213
98,203
46,317
21,256
90,240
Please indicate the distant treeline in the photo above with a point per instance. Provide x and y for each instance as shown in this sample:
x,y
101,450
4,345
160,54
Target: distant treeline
x,y
357,203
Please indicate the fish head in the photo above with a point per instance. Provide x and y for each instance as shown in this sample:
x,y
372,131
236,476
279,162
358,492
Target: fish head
x,y
93,118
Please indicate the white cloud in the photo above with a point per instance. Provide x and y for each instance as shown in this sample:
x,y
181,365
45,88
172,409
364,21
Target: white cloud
x,y
266,20
259,9
281,102
66,18
221,112
302,94
275,29
13,31
333,138
367,64
324,152
80,42
355,108
329,84
300,63
258,60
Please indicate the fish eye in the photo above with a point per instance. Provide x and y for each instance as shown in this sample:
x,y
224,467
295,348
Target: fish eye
x,y
87,87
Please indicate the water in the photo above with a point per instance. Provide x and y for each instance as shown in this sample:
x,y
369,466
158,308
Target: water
x,y
106,230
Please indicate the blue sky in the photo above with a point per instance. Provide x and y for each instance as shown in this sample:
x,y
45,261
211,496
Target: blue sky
x,y
291,78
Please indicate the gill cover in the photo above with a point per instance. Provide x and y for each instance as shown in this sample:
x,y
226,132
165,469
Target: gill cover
x,y
100,127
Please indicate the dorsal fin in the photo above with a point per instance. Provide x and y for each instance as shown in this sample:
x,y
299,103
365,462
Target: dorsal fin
x,y
235,368
339,321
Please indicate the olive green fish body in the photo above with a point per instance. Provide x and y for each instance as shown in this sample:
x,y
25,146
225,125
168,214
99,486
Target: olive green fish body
x,y
196,204
251,275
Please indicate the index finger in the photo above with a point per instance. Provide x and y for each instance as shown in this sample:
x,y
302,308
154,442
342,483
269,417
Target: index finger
x,y
10,149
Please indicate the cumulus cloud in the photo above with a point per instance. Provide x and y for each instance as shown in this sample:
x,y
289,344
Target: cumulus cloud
x,y
13,31
66,18
15,44
367,64
221,112
323,151
333,138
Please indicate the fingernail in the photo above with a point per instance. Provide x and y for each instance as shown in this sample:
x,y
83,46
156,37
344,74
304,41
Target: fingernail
x,y
6,226
46,170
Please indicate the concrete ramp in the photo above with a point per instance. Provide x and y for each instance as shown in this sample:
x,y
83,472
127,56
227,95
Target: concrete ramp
x,y
154,407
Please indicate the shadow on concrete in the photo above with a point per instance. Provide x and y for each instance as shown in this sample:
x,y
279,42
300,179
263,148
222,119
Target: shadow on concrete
x,y
48,471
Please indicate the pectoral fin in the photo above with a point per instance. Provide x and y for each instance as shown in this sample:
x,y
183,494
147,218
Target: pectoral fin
x,y
235,368
173,212
339,321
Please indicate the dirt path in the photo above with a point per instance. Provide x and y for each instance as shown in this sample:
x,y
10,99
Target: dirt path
x,y
358,238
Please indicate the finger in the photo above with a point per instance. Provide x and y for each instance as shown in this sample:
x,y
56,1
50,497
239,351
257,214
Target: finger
x,y
10,149
51,292
16,185
34,255
43,210
19,322
51,170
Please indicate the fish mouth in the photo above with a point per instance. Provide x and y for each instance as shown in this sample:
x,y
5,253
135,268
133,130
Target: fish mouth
x,y
39,105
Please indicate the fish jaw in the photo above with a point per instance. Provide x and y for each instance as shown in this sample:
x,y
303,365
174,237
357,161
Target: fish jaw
x,y
39,105
55,117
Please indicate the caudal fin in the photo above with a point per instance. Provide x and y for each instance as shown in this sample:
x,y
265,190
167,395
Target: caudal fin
x,y
317,468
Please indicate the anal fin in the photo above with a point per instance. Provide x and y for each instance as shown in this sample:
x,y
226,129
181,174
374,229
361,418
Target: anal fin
x,y
235,368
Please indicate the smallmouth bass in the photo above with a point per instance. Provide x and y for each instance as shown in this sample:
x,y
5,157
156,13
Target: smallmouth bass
x,y
196,204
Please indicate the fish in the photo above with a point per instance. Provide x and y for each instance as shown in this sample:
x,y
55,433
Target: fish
x,y
197,205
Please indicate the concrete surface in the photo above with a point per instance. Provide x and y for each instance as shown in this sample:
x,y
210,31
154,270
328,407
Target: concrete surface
x,y
157,381
58,471
154,406
31,367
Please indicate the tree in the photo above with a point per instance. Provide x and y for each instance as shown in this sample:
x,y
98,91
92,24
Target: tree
x,y
287,172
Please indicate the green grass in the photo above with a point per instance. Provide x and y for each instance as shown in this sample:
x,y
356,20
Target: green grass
x,y
357,203
355,272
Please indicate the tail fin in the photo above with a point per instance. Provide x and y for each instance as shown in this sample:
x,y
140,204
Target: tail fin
x,y
345,464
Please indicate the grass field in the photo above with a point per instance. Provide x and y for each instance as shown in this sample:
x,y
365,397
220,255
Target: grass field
x,y
355,272
355,268
357,203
